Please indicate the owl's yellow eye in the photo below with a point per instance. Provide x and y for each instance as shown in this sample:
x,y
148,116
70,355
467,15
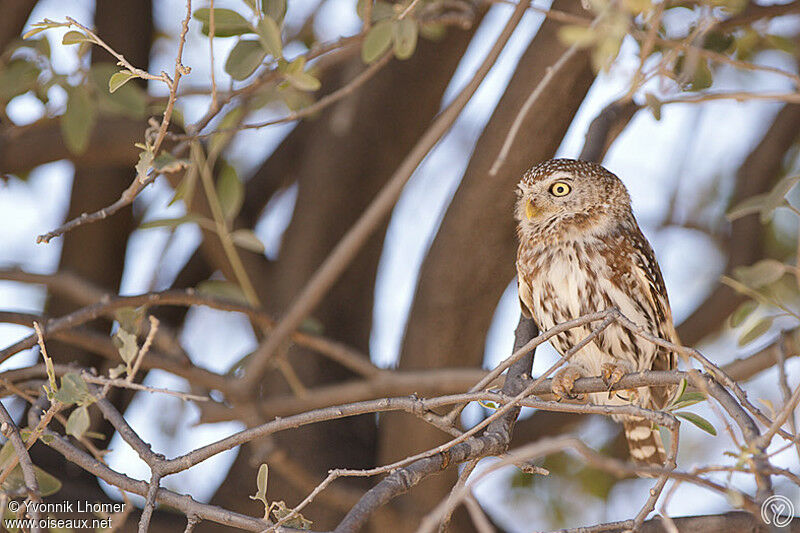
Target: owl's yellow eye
x,y
560,188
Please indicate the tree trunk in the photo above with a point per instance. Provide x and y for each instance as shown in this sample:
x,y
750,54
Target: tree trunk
x,y
471,260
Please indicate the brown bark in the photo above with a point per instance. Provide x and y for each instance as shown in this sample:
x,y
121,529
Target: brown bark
x,y
463,276
15,14
745,242
111,143
738,521
345,156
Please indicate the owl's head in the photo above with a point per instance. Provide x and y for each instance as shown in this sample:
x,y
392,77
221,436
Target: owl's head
x,y
563,196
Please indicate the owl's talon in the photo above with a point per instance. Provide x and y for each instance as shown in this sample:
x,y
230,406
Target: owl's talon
x,y
611,373
564,381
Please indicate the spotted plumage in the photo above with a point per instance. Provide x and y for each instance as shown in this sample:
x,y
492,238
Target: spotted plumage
x,y
581,251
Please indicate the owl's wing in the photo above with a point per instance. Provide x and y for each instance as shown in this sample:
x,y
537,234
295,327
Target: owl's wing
x,y
648,273
525,297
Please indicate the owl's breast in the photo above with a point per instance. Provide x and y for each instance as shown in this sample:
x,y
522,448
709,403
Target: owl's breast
x,y
561,278
572,279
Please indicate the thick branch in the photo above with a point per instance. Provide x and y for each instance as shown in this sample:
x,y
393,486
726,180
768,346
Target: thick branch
x,y
494,441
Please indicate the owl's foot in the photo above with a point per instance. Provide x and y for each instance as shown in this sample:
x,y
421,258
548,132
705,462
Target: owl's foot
x,y
612,374
564,381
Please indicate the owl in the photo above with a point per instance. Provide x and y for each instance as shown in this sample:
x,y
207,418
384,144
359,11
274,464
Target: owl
x,y
581,251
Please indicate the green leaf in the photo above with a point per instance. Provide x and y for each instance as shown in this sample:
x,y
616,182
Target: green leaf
x,y
606,51
698,421
78,422
280,511
14,484
750,206
117,371
296,66
654,104
761,327
170,222
73,390
166,163
433,31
261,483
274,9
144,165
125,341
380,10
48,484
687,399
784,44
637,7
761,274
718,41
580,36
702,78
244,59
312,325
227,23
681,389
76,37
129,318
270,34
377,41
222,289
230,191
245,238
30,33
746,43
230,120
16,78
118,79
127,99
303,81
406,32
185,189
77,122
744,310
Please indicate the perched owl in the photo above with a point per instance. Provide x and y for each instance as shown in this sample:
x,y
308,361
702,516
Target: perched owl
x,y
581,251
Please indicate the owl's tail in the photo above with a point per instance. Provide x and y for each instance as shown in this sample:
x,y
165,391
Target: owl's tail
x,y
644,442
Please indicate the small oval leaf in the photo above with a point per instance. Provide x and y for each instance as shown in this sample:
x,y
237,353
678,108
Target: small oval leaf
x,y
377,41
230,192
744,310
274,9
227,22
406,32
698,421
580,36
245,238
270,35
244,59
75,37
125,341
78,422
119,79
760,274
77,122
303,81
222,289
761,327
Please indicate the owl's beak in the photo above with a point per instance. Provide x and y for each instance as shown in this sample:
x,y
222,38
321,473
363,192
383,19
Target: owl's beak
x,y
531,211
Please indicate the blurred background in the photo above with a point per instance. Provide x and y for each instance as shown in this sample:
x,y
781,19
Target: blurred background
x,y
434,287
